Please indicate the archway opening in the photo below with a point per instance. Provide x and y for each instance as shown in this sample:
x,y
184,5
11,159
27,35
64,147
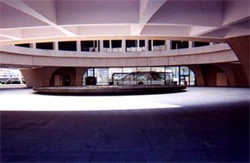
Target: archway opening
x,y
63,77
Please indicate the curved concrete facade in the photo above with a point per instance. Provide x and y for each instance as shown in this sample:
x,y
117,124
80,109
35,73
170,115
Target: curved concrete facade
x,y
218,53
54,59
224,22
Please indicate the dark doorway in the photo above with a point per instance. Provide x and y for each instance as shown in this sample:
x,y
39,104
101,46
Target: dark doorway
x,y
66,80
64,76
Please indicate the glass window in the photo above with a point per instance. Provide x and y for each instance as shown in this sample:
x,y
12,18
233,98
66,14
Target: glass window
x,y
179,44
45,45
106,44
184,70
143,75
114,77
131,75
23,45
116,43
67,45
157,75
131,43
142,43
88,73
192,78
89,46
175,73
158,42
198,44
102,75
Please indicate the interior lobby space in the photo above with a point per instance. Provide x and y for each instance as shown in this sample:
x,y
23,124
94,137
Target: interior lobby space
x,y
203,124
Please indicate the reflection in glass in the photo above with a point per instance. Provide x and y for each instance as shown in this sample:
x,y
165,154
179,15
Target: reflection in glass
x,y
142,75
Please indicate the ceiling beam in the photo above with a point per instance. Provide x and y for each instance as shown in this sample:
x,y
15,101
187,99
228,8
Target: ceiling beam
x,y
198,30
23,7
147,9
10,37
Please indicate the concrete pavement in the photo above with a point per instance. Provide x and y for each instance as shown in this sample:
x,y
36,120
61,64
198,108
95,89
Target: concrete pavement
x,y
203,131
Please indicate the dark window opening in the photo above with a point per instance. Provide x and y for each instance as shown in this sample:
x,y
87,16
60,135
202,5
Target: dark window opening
x,y
88,46
131,43
23,45
142,43
106,43
198,44
149,45
116,43
158,42
179,44
68,46
45,45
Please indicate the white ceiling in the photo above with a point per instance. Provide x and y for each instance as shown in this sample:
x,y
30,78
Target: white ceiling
x,y
40,20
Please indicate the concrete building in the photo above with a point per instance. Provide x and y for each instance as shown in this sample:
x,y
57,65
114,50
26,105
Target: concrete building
x,y
62,39
62,42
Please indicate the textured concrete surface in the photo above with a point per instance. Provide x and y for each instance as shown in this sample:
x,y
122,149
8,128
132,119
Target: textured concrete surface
x,y
209,124
110,89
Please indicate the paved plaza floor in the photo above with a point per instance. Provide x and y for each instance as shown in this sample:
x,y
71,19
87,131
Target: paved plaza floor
x,y
203,124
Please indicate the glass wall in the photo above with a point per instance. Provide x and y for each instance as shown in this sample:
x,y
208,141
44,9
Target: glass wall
x,y
181,75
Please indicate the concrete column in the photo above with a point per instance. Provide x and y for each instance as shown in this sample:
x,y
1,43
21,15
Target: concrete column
x,y
137,45
78,46
97,46
152,45
101,46
198,75
55,45
38,76
190,44
110,44
123,45
168,44
240,46
79,76
33,45
146,45
94,46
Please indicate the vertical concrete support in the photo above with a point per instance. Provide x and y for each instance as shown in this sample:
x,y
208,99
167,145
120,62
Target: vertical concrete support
x,y
97,46
33,45
190,44
228,70
146,45
38,76
94,46
101,46
240,46
152,45
55,46
137,45
168,44
43,76
79,76
78,46
123,45
198,75
110,45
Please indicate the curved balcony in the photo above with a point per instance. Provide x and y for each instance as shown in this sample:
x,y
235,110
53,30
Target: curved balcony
x,y
31,57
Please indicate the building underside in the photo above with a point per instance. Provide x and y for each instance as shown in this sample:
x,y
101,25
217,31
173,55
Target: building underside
x,y
56,39
121,44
